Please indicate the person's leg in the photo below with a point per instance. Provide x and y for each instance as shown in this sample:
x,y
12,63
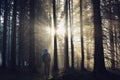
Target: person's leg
x,y
46,76
48,68
45,69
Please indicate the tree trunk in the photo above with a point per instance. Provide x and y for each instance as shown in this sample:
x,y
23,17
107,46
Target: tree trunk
x,y
66,38
21,38
71,32
55,65
99,64
32,45
4,34
82,42
13,39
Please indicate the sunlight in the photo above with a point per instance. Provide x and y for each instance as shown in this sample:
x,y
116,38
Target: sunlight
x,y
60,29
2,19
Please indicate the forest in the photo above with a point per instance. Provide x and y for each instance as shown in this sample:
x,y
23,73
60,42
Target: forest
x,y
82,37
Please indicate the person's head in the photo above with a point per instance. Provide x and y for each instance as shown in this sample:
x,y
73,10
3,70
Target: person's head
x,y
45,49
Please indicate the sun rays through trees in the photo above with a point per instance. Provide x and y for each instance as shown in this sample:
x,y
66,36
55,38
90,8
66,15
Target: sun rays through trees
x,y
79,34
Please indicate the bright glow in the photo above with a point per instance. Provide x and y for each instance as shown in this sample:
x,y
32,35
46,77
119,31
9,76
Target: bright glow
x,y
2,19
60,29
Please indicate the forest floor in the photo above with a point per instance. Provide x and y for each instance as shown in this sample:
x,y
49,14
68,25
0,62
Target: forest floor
x,y
71,75
86,75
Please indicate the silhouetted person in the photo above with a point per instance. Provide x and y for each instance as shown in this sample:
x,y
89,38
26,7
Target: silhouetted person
x,y
46,61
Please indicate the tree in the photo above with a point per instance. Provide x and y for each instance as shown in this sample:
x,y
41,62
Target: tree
x,y
21,39
23,34
66,37
55,65
82,42
4,34
71,32
99,64
13,41
31,33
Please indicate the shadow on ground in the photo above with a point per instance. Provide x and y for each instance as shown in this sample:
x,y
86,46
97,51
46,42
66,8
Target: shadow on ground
x,y
71,75
86,75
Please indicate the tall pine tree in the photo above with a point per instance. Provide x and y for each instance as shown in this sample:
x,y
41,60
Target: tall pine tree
x,y
99,64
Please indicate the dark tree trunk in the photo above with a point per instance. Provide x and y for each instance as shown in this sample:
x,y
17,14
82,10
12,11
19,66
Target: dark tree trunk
x,y
4,34
55,65
82,42
21,38
99,64
13,39
66,38
20,32
71,32
32,44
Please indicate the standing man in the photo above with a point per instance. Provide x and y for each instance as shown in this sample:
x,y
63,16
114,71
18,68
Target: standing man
x,y
46,61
